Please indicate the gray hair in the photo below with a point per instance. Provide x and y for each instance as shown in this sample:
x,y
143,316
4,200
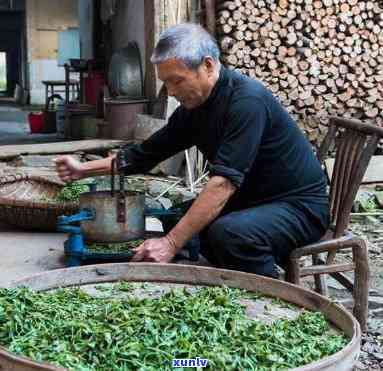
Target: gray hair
x,y
187,42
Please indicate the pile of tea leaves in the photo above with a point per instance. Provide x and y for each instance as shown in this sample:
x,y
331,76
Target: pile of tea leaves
x,y
79,331
113,248
71,192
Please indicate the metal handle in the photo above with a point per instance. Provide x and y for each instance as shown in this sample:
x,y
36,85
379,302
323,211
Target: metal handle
x,y
120,199
122,183
112,181
112,177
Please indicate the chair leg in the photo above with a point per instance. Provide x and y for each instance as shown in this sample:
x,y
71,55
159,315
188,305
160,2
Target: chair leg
x,y
362,284
293,272
320,279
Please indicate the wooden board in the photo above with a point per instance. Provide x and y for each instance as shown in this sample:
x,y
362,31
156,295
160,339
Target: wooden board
x,y
374,173
10,151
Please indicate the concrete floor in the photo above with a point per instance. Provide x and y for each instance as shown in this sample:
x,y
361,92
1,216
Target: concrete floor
x,y
14,128
25,253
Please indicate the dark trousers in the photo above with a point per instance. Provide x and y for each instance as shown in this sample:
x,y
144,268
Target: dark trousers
x,y
254,240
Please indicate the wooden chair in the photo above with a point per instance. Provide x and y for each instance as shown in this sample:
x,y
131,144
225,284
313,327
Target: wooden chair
x,y
356,142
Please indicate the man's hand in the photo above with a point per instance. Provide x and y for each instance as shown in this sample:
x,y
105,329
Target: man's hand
x,y
158,250
69,169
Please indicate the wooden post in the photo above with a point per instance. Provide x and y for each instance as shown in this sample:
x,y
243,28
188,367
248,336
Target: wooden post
x,y
210,16
362,284
320,279
293,272
152,17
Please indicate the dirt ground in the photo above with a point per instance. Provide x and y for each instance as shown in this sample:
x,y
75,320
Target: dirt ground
x,y
25,253
372,344
371,356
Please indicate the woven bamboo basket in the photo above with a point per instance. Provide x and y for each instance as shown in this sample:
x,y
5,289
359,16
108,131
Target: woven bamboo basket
x,y
23,204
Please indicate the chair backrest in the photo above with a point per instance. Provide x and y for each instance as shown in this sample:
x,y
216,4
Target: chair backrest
x,y
355,146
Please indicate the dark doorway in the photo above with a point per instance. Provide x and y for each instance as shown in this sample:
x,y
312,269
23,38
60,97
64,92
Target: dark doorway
x,y
11,44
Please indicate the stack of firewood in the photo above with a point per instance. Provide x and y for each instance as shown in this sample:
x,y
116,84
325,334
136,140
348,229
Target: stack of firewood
x,y
320,57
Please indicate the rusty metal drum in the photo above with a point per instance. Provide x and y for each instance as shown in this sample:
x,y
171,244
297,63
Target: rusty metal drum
x,y
122,116
339,317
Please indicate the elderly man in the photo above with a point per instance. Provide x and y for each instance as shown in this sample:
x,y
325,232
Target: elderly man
x,y
267,193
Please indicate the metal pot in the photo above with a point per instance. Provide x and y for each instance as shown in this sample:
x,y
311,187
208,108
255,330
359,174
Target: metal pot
x,y
125,75
118,214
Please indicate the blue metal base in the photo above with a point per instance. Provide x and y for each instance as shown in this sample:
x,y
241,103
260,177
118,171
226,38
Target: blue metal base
x,y
75,249
76,253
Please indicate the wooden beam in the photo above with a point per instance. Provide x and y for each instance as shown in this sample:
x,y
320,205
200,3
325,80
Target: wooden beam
x,y
152,15
210,16
343,280
91,145
323,268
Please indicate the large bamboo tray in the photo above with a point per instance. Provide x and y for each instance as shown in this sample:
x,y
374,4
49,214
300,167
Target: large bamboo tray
x,y
344,360
22,202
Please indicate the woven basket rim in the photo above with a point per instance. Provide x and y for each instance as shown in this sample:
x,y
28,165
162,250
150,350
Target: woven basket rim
x,y
38,204
17,177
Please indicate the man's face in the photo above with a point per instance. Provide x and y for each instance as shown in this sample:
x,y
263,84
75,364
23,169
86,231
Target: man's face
x,y
190,87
